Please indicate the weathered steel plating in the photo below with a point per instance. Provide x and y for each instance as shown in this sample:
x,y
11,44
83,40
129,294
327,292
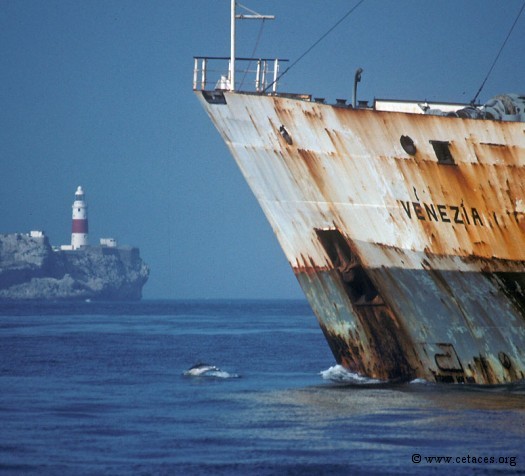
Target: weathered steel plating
x,y
411,255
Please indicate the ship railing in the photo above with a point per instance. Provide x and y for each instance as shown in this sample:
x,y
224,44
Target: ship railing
x,y
251,74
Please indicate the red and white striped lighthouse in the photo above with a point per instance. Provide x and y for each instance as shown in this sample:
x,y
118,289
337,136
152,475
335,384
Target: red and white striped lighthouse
x,y
79,235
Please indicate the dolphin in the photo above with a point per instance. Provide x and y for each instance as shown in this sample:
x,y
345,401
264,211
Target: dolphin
x,y
206,370
200,369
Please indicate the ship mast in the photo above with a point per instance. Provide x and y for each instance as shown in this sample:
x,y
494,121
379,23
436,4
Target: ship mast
x,y
252,16
232,47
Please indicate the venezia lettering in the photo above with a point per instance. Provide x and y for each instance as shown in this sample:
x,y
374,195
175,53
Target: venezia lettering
x,y
442,213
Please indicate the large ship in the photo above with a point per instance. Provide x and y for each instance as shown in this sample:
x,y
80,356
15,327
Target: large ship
x,y
403,221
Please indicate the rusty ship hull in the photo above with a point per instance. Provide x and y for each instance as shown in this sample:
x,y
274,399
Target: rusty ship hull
x,y
405,231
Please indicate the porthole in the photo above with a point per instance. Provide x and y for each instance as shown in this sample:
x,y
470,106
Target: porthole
x,y
408,145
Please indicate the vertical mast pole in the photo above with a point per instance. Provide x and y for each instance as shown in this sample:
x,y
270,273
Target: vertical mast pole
x,y
253,16
232,47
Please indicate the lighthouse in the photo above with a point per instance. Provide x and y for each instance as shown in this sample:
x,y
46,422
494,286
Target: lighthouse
x,y
79,235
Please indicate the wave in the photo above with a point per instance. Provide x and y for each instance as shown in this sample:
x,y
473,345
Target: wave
x,y
339,374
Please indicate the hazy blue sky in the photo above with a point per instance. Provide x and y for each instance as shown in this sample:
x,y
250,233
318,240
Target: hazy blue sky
x,y
98,93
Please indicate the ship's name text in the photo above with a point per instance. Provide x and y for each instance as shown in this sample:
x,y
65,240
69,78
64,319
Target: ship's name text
x,y
461,214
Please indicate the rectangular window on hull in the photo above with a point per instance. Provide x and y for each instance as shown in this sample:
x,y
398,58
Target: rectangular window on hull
x,y
442,151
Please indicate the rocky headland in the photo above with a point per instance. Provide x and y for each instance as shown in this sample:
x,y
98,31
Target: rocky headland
x,y
30,269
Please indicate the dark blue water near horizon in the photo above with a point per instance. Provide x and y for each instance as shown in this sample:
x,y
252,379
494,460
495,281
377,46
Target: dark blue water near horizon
x,y
99,388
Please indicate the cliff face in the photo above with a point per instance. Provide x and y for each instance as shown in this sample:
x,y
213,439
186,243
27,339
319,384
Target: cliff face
x,y
30,269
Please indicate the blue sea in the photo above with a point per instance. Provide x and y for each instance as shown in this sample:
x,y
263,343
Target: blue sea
x,y
105,389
